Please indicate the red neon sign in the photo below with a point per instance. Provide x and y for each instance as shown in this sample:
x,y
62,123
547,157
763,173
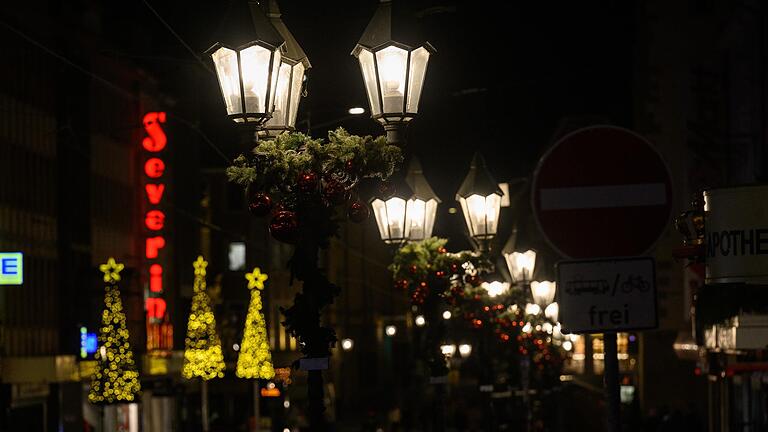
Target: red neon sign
x,y
154,220
156,307
154,244
158,326
154,192
156,140
154,167
156,278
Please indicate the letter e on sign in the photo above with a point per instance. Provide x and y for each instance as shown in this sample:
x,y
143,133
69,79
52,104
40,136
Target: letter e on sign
x,y
11,268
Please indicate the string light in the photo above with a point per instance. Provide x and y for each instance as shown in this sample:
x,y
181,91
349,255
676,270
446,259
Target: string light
x,y
116,378
255,359
203,356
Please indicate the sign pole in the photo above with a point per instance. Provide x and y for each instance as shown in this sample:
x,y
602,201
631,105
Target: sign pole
x,y
611,377
256,413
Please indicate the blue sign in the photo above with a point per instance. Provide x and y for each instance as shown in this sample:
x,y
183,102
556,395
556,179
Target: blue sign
x,y
11,268
89,343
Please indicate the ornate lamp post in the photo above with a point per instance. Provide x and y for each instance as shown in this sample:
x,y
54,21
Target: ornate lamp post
x,y
247,60
543,293
393,69
294,63
480,199
408,214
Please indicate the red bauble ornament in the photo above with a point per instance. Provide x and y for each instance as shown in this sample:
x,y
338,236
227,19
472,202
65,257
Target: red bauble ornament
x,y
350,167
259,203
442,250
334,192
358,212
284,226
402,284
454,268
307,182
413,269
476,323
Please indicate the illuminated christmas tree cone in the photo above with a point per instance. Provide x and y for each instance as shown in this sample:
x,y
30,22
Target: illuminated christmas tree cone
x,y
116,379
255,359
202,356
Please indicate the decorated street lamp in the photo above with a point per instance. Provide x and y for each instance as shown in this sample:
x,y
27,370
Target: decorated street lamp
x,y
543,293
392,216
480,199
393,68
422,206
247,60
290,80
520,264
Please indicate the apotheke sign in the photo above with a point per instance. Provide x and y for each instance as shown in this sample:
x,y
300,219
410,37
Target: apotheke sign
x,y
736,221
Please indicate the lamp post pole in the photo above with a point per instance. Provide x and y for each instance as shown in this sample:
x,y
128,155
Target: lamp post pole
x,y
612,382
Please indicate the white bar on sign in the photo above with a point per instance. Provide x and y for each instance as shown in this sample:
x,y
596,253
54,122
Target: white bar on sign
x,y
586,197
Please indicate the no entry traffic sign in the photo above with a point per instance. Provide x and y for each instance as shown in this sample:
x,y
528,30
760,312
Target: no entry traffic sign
x,y
607,295
602,191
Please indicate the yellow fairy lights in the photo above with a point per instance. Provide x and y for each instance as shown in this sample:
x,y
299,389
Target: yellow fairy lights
x,y
203,356
256,279
111,270
116,379
255,359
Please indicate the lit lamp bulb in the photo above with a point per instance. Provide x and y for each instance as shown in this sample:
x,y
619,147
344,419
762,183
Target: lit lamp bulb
x,y
391,62
447,315
552,311
495,288
448,350
543,292
532,309
465,350
521,265
567,345
390,330
347,344
420,321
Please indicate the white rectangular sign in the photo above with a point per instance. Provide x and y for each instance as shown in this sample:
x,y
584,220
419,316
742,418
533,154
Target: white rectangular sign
x,y
607,295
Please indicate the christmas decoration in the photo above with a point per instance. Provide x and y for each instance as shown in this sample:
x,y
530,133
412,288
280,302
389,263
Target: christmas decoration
x,y
203,356
358,212
307,182
283,226
255,359
334,192
259,203
343,159
116,379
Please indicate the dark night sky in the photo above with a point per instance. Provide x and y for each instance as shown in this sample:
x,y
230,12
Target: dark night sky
x,y
505,77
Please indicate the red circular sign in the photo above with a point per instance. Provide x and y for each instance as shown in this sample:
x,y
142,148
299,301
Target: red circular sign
x,y
602,191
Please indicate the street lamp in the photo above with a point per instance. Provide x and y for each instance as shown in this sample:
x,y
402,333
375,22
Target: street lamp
x,y
290,79
520,264
393,69
448,350
552,311
347,344
390,330
480,199
422,206
247,60
495,288
543,292
465,350
392,216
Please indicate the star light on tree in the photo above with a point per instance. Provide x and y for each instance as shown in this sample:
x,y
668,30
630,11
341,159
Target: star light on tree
x,y
111,270
256,279
116,379
255,359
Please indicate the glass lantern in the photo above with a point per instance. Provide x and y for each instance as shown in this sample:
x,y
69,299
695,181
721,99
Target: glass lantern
x,y
247,67
422,206
290,81
543,293
480,200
